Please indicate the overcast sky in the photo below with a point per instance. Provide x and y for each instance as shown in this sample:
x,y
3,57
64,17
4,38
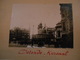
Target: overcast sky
x,y
29,15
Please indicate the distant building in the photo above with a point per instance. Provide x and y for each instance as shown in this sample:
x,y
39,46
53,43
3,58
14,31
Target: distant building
x,y
41,29
45,34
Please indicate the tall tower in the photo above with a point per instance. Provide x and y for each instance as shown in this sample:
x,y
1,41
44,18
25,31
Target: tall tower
x,y
67,25
66,14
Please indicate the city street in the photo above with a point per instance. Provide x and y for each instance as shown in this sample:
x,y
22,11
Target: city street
x,y
30,46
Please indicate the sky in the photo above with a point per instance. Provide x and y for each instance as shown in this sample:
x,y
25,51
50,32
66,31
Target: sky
x,y
29,16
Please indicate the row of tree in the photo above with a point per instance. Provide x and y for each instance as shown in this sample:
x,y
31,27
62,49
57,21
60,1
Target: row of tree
x,y
20,36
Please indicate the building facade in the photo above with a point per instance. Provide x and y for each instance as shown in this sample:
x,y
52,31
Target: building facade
x,y
67,25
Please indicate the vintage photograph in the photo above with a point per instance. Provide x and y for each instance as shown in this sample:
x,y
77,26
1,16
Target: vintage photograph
x,y
41,26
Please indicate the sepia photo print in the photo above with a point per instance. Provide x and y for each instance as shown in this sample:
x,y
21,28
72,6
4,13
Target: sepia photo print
x,y
41,26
